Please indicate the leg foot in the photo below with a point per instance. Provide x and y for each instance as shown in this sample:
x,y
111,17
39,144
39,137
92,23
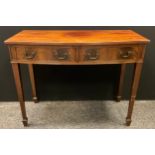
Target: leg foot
x,y
35,99
25,122
128,121
118,98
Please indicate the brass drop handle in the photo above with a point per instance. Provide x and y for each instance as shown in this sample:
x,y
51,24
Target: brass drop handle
x,y
90,57
61,54
92,54
30,54
126,52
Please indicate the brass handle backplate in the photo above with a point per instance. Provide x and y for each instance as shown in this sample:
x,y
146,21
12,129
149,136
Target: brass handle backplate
x,y
61,54
29,54
126,53
92,54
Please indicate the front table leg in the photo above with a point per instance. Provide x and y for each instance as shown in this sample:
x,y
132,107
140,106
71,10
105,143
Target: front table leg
x,y
19,87
135,83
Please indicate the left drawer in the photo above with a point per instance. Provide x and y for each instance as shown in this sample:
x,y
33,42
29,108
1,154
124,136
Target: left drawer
x,y
43,54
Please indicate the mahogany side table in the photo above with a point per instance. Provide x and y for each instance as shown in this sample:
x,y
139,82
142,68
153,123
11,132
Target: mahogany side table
x,y
77,47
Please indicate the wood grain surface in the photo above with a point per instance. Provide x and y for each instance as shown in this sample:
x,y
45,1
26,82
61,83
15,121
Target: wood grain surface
x,y
61,37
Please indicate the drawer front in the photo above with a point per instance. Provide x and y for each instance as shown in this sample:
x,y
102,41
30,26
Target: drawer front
x,y
39,54
113,54
77,55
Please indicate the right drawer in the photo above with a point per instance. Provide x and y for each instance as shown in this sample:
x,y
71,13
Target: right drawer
x,y
110,54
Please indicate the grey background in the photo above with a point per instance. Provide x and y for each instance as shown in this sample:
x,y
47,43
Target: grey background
x,y
77,82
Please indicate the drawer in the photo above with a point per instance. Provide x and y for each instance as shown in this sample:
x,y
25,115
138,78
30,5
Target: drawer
x,y
107,54
44,54
90,54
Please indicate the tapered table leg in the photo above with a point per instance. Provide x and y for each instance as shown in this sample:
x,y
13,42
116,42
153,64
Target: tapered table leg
x,y
19,87
135,84
121,81
33,85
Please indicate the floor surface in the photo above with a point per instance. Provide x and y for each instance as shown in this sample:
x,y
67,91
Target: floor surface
x,y
78,115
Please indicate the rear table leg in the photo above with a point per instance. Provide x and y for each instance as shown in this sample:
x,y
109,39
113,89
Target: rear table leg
x,y
121,81
32,79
